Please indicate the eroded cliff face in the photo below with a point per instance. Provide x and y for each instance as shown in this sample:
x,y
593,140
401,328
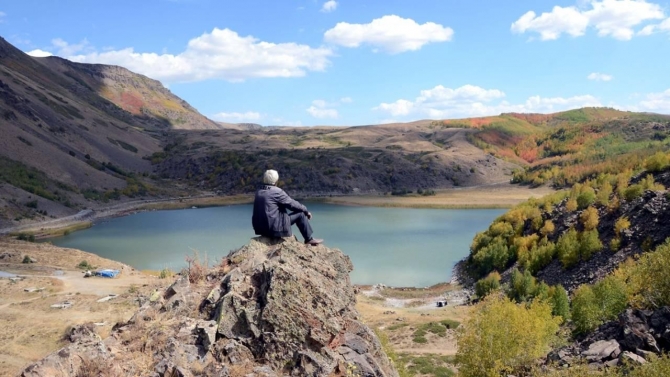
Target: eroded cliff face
x,y
271,308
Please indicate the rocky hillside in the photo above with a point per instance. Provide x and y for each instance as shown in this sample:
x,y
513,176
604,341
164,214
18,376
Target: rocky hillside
x,y
137,94
74,135
579,235
269,309
332,160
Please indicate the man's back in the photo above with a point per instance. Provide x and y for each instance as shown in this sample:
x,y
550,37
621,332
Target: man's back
x,y
270,216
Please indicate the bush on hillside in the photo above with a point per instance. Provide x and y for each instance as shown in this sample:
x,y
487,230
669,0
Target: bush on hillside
x,y
589,244
586,197
495,255
585,315
657,162
567,248
593,305
656,366
485,286
548,228
84,265
649,279
620,225
603,196
633,192
571,205
502,337
648,183
589,218
560,302
522,286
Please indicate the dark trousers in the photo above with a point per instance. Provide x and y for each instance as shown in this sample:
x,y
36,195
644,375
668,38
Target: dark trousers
x,y
300,219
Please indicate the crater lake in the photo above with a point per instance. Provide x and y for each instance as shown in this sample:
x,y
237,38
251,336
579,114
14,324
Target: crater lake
x,y
394,246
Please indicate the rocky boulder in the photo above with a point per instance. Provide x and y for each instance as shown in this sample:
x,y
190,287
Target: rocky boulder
x,y
271,308
634,336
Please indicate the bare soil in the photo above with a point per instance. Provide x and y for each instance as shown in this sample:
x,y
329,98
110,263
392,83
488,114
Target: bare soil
x,y
399,318
502,195
30,328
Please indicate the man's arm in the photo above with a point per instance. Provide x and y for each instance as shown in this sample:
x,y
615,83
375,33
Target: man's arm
x,y
285,200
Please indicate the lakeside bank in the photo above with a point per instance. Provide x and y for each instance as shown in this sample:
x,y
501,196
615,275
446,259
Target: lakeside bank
x,y
497,196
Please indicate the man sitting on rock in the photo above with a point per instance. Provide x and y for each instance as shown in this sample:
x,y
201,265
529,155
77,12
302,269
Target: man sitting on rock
x,y
271,217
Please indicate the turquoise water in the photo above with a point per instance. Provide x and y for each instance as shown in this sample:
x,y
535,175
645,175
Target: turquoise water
x,y
394,246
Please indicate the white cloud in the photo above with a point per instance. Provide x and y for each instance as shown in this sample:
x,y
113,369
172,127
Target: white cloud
x,y
596,76
615,18
551,25
321,109
329,6
657,28
237,117
388,121
656,102
66,49
39,53
470,100
346,100
221,54
390,33
2,15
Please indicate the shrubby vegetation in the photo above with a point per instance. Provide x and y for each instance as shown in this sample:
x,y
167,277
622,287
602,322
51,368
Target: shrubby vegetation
x,y
527,236
503,336
489,284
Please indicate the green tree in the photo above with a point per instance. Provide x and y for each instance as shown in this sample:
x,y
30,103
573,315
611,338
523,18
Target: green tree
x,y
589,218
649,279
585,313
589,244
603,196
586,197
548,228
657,162
502,337
620,225
522,286
571,205
611,297
489,284
560,302
568,247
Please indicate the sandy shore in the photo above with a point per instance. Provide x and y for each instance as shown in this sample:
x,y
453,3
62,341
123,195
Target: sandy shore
x,y
502,195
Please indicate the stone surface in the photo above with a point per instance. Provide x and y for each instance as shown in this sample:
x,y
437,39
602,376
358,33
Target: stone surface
x,y
256,315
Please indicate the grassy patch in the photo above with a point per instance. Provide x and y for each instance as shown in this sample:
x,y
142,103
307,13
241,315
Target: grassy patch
x,y
397,326
396,360
429,364
30,180
437,328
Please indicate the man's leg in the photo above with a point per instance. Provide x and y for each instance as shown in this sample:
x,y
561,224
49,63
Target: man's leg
x,y
300,219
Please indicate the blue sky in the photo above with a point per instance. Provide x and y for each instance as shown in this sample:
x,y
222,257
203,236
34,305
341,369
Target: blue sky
x,y
346,62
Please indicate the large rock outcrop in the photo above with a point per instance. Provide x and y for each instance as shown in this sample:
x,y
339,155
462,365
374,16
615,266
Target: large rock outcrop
x,y
271,308
632,337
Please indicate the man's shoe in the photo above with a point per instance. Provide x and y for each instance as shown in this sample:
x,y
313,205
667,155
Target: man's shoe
x,y
313,241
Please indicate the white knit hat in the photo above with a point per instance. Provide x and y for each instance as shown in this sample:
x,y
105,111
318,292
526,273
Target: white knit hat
x,y
270,177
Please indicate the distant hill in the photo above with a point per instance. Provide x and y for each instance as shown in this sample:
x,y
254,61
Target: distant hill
x,y
570,146
241,126
77,134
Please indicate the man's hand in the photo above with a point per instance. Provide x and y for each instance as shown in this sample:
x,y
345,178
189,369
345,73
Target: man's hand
x,y
309,215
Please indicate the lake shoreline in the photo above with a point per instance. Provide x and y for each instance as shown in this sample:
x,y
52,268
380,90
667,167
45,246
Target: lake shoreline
x,y
497,196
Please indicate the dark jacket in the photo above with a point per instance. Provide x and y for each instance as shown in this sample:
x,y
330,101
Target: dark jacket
x,y
270,216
